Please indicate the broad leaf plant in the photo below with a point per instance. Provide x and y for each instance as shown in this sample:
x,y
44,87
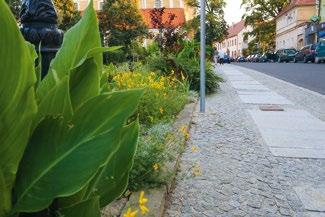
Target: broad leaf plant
x,y
66,146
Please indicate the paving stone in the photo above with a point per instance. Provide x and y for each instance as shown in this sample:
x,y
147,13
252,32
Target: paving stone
x,y
312,198
240,176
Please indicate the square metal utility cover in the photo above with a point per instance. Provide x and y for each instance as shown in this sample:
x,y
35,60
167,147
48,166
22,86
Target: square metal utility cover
x,y
271,108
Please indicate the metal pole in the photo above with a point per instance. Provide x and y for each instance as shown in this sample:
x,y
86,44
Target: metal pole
x,y
203,50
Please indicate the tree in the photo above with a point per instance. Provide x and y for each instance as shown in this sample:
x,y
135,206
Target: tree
x,y
260,15
120,23
216,26
170,36
67,13
15,7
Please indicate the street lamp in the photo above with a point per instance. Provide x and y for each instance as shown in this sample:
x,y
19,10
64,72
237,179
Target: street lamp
x,y
202,49
39,26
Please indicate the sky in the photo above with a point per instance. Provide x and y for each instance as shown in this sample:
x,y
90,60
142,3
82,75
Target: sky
x,y
233,12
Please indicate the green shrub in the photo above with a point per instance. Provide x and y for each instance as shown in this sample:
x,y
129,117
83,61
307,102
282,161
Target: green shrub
x,y
150,158
186,62
163,98
65,146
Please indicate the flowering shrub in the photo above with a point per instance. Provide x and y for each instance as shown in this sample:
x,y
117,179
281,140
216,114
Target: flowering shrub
x,y
152,153
163,98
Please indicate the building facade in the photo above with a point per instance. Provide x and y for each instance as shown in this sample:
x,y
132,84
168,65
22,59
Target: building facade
x,y
235,43
178,7
292,22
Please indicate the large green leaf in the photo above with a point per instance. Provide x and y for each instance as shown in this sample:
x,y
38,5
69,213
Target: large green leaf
x,y
17,100
88,208
62,158
112,179
5,199
56,103
57,164
83,83
77,42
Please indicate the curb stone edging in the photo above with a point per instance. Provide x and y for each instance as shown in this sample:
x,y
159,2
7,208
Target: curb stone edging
x,y
157,196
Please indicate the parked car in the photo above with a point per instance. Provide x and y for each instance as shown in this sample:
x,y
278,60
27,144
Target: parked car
x,y
320,52
226,59
306,54
241,59
256,58
268,57
286,55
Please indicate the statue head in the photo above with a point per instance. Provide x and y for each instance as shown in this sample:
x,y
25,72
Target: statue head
x,y
38,11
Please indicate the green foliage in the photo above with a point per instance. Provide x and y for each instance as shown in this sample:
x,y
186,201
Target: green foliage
x,y
61,147
152,151
14,7
120,24
216,26
260,15
67,13
186,63
164,96
17,102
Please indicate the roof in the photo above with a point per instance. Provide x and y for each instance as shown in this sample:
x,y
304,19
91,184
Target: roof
x,y
235,29
178,21
297,3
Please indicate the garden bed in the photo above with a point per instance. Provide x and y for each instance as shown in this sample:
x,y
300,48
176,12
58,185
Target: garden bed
x,y
157,196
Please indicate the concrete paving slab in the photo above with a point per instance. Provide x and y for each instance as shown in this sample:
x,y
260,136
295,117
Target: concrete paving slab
x,y
252,87
291,133
298,153
316,214
263,97
245,82
240,78
290,119
312,198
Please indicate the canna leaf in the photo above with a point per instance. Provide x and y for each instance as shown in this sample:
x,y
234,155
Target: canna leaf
x,y
57,102
62,158
83,83
77,42
17,100
88,208
112,179
5,199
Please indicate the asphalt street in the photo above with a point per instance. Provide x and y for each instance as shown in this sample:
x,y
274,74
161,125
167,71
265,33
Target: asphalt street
x,y
310,76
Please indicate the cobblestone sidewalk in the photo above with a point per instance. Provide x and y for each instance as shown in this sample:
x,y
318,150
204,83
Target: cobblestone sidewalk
x,y
227,170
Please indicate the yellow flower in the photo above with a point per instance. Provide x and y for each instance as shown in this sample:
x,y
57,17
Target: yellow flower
x,y
183,77
130,213
144,210
161,110
184,130
142,203
195,149
155,166
196,170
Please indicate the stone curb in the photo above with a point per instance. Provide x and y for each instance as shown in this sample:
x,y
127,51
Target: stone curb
x,y
157,197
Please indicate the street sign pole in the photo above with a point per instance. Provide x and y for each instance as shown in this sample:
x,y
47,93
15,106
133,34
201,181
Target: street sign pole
x,y
203,49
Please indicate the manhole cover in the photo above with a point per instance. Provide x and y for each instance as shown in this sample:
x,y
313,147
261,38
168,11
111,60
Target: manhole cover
x,y
271,108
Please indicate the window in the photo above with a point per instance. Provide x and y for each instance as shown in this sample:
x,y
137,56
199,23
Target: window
x,y
76,6
158,4
143,3
101,5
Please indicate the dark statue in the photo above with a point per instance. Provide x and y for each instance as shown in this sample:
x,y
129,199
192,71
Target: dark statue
x,y
39,26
